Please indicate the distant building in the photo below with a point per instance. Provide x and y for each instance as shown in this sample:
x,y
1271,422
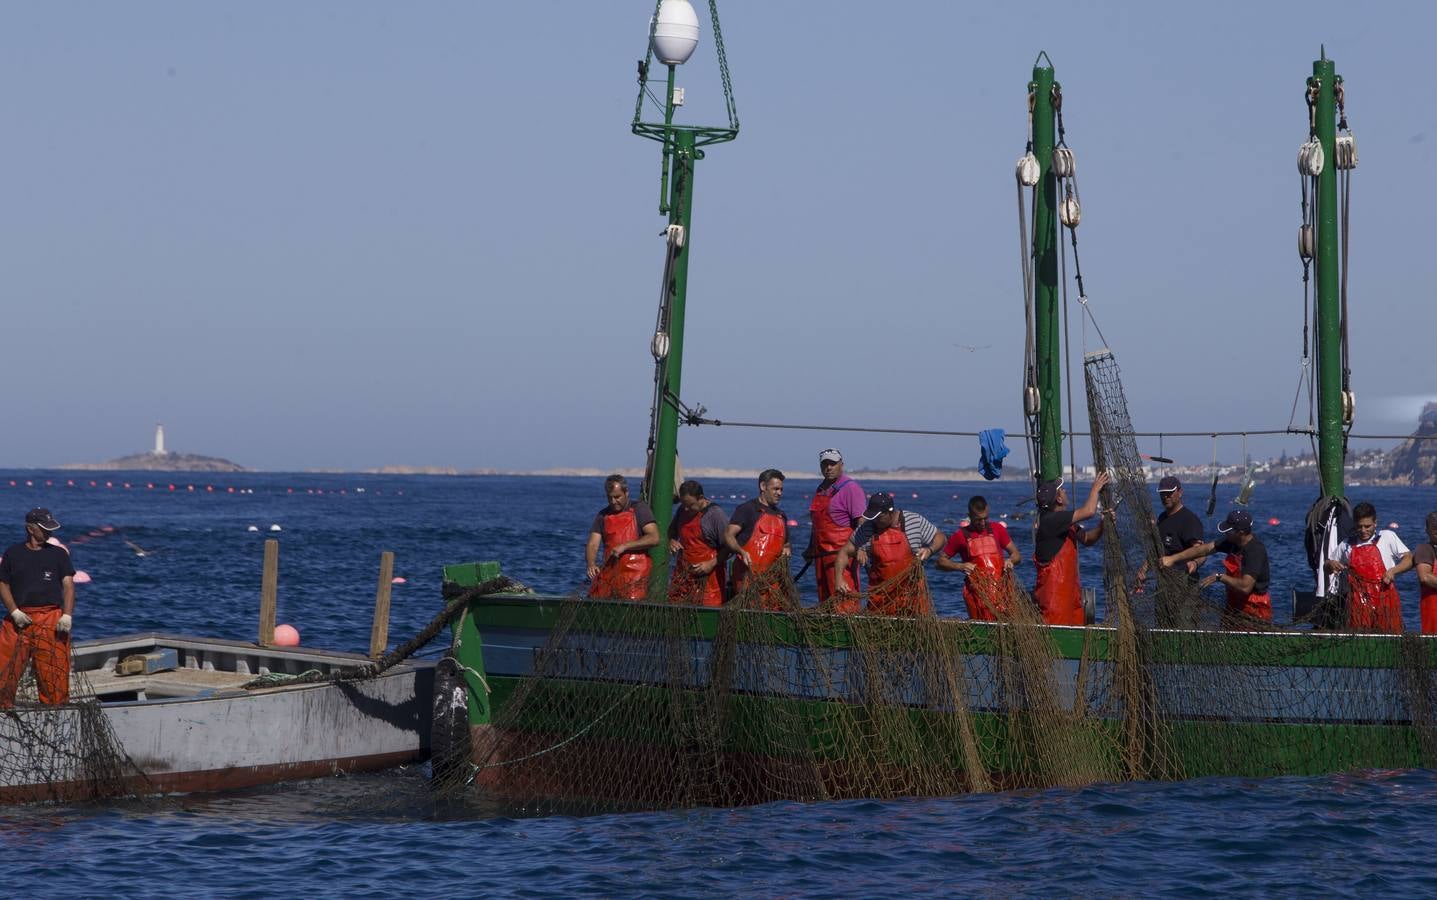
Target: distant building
x,y
160,439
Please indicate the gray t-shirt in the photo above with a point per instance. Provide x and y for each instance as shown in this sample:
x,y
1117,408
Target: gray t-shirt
x,y
919,531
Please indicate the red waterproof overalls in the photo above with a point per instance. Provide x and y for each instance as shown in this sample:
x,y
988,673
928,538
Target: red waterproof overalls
x,y
682,586
1429,607
1372,605
37,641
828,538
984,590
1256,606
1058,591
891,557
764,546
625,578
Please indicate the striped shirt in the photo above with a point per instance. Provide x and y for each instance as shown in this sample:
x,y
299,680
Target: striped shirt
x,y
919,531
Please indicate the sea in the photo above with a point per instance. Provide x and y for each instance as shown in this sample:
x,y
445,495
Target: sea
x,y
180,552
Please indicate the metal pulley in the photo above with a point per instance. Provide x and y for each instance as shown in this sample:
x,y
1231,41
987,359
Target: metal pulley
x,y
1063,163
1310,159
674,234
1349,407
659,346
1070,211
1344,152
1032,401
1306,242
1028,170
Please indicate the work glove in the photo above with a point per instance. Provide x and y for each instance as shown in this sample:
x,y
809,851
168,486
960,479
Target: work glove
x,y
63,626
19,618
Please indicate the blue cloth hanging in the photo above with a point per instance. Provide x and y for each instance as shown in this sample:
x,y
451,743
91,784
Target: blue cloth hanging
x,y
991,453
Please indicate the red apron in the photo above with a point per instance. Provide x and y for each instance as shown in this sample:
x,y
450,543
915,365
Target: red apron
x,y
37,641
1429,606
1254,606
828,538
684,586
890,558
625,578
1372,605
764,546
1058,591
985,590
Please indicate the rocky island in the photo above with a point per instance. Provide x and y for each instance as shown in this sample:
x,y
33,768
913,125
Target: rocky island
x,y
161,460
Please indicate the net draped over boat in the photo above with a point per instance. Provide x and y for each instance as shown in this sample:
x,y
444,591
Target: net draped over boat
x,y
660,704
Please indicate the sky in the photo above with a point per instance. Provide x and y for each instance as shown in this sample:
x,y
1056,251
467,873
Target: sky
x,y
352,234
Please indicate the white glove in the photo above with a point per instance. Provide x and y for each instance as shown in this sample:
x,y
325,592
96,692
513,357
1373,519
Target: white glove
x,y
20,619
63,626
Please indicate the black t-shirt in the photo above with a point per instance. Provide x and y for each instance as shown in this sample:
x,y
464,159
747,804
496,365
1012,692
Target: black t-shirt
x,y
746,516
1053,528
711,526
1179,531
35,576
1254,561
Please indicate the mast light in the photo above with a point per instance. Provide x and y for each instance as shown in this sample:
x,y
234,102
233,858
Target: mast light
x,y
676,32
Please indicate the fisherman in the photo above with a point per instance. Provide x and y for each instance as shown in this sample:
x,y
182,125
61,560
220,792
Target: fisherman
x,y
1059,590
893,539
1424,556
1178,528
988,554
836,510
37,584
1246,574
757,536
696,540
627,530
1371,559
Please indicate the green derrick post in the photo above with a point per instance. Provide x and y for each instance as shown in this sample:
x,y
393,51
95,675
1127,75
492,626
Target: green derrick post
x,y
1047,337
660,490
1330,439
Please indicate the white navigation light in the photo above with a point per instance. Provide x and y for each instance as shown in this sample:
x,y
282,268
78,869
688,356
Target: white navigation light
x,y
676,32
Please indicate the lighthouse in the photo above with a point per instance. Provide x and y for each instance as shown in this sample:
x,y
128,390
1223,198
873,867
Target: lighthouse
x,y
159,439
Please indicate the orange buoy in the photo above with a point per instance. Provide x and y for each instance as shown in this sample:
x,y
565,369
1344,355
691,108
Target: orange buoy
x,y
286,636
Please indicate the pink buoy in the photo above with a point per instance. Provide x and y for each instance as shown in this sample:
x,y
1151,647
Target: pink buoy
x,y
398,579
56,542
82,577
792,523
915,495
286,636
1274,521
1393,525
107,528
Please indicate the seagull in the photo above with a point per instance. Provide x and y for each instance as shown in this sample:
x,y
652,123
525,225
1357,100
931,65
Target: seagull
x,y
969,348
139,551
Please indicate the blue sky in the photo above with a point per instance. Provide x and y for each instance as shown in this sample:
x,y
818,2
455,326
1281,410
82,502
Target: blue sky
x,y
352,234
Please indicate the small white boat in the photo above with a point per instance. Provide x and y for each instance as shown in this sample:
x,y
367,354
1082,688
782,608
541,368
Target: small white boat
x,y
187,723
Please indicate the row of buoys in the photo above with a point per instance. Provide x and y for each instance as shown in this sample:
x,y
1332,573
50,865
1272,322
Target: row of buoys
x,y
190,488
274,527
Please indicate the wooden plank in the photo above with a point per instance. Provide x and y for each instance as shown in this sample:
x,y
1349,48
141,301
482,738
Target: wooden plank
x,y
268,593
379,630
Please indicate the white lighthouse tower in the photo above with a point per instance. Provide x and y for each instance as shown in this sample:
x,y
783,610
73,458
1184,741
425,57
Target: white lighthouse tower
x,y
159,439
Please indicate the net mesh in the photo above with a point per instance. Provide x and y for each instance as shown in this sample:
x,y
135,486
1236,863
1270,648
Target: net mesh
x,y
657,704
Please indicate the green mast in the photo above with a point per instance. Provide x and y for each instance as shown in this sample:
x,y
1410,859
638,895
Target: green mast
x,y
1045,281
1331,441
673,34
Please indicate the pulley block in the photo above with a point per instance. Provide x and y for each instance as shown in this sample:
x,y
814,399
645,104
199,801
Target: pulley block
x,y
1344,152
1028,170
1349,407
1032,401
1310,159
1070,211
1064,165
1306,242
659,346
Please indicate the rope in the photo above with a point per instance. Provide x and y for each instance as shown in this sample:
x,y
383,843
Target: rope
x,y
459,600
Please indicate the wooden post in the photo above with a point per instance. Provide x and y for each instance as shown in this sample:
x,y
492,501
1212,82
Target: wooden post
x,y
268,593
379,631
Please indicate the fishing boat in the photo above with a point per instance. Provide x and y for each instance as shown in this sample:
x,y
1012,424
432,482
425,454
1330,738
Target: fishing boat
x,y
553,702
159,714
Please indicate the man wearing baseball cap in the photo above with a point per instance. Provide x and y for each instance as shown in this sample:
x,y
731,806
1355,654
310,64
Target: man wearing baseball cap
x,y
1059,591
1179,528
893,538
37,585
1245,574
836,510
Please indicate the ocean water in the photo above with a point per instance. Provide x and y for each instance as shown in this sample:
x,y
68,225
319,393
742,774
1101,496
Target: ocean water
x,y
382,834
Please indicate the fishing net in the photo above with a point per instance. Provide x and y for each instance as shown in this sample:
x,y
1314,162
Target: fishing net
x,y
63,753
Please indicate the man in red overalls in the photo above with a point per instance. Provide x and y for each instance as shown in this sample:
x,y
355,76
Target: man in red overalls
x,y
1058,591
1424,557
37,584
987,555
836,510
1245,574
895,538
757,537
1371,559
695,538
627,530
